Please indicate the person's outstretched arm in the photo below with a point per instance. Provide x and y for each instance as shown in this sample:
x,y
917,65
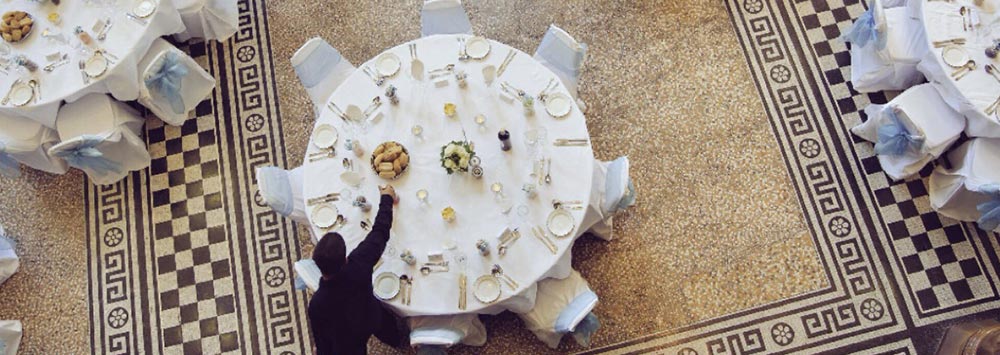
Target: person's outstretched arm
x,y
362,260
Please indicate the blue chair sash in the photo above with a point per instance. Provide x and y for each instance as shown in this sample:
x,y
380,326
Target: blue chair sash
x,y
865,30
895,139
318,65
564,323
989,211
8,166
86,157
166,82
586,329
431,350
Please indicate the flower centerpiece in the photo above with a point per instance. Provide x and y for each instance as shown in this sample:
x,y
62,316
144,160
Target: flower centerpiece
x,y
455,156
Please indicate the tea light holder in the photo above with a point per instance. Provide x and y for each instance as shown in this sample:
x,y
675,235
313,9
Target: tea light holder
x,y
417,130
448,214
449,110
481,120
422,196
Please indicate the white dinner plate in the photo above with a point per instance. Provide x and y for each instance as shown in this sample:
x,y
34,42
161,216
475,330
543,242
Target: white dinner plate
x,y
487,289
561,223
325,215
324,136
386,285
477,47
144,8
955,56
387,64
96,65
558,104
21,94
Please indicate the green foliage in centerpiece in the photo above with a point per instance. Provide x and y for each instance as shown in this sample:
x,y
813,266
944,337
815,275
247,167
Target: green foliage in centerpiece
x,y
455,156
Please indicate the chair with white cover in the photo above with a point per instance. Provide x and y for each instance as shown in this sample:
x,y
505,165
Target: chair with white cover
x,y
307,274
10,336
208,19
9,261
443,17
101,137
561,307
282,191
321,69
431,334
564,55
612,191
172,82
967,191
27,142
886,46
913,129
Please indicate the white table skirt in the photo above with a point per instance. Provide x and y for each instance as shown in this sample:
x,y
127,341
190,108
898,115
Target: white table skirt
x,y
977,90
420,228
128,40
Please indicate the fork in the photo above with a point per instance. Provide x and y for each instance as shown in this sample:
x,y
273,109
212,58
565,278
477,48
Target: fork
x,y
83,72
462,53
378,79
376,102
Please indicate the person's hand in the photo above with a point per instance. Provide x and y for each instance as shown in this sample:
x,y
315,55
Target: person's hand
x,y
389,190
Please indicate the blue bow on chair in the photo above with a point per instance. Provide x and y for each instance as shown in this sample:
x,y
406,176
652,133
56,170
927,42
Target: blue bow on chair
x,y
989,211
8,166
167,81
865,29
895,139
86,156
587,327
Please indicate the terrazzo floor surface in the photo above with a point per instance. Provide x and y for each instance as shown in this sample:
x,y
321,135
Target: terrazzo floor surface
x,y
727,240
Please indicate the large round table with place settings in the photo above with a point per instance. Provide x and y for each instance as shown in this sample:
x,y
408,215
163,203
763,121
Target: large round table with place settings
x,y
126,39
480,213
958,33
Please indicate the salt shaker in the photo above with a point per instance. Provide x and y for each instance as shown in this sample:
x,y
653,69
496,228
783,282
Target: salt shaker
x,y
390,92
504,137
362,202
26,63
83,35
483,247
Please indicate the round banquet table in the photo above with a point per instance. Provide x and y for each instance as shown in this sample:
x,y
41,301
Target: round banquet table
x,y
127,42
419,227
978,89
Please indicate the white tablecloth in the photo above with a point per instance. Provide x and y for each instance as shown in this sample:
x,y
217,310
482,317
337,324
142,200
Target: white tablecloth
x,y
977,90
127,40
420,228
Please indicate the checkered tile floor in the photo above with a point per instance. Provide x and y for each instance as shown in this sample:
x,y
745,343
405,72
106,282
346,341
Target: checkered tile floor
x,y
940,262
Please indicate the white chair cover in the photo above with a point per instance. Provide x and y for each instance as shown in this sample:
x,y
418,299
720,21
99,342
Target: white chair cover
x,y
439,17
612,191
101,137
894,66
446,331
926,116
308,274
564,55
9,261
194,82
10,336
208,19
560,307
956,192
321,69
282,191
28,142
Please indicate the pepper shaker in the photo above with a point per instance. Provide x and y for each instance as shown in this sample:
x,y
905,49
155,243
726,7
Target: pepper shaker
x,y
504,137
83,35
362,203
483,247
390,92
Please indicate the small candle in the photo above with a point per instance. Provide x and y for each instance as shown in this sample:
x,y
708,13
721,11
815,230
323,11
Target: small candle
x,y
417,130
448,214
422,195
497,187
449,109
481,119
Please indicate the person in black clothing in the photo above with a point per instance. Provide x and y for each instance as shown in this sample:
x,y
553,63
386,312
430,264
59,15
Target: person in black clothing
x,y
343,312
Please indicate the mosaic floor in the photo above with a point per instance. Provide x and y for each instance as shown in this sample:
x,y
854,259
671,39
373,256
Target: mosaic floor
x,y
761,227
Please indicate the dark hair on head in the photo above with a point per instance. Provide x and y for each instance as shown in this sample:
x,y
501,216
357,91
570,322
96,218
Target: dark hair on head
x,y
329,254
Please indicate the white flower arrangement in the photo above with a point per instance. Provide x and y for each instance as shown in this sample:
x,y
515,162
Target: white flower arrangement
x,y
455,156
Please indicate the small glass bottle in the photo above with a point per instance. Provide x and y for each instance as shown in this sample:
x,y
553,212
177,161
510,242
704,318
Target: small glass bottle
x,y
83,35
390,92
504,137
362,202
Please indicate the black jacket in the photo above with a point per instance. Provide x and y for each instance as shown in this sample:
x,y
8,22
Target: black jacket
x,y
343,312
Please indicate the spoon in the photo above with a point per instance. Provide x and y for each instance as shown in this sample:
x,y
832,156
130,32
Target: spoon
x,y
961,11
992,69
965,69
548,177
35,88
